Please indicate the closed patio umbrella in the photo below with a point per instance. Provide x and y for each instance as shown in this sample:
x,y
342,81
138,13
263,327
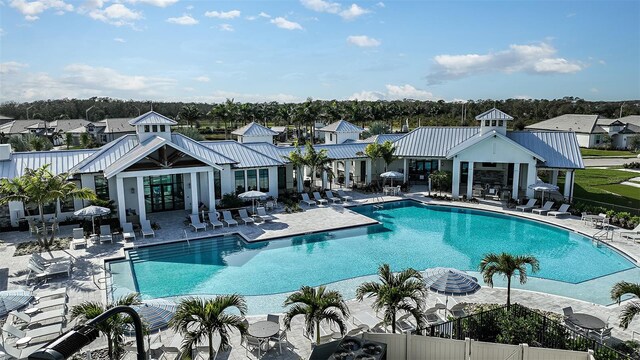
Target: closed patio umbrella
x,y
93,211
542,186
450,282
156,313
391,175
12,300
252,195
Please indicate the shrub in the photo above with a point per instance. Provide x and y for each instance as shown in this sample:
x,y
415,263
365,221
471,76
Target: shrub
x,y
632,165
230,200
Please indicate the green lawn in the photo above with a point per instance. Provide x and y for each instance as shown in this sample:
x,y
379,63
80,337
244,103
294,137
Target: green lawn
x,y
603,185
599,152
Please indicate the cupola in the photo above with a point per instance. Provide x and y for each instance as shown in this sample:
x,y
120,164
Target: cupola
x,y
152,124
493,120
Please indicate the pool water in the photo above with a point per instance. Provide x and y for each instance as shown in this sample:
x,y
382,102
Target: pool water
x,y
411,234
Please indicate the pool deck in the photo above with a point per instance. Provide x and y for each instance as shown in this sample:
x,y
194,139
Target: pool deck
x,y
88,263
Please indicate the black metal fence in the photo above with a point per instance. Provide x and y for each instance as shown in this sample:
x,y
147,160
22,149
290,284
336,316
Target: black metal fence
x,y
518,324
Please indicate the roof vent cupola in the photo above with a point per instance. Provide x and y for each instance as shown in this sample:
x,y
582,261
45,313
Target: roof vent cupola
x,y
152,124
340,132
493,120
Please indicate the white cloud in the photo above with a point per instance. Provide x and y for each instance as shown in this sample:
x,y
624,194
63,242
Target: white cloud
x,y
2,32
120,40
264,15
183,20
368,96
322,6
226,27
202,79
394,92
158,3
353,12
533,59
601,62
286,24
363,41
594,90
11,67
116,14
190,7
380,4
223,15
31,9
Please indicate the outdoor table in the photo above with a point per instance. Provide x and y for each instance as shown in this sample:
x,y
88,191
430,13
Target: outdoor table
x,y
263,329
593,219
23,342
586,321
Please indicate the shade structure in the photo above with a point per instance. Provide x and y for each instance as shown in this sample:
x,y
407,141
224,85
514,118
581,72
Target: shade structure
x,y
156,313
391,175
93,211
252,195
450,281
12,300
543,186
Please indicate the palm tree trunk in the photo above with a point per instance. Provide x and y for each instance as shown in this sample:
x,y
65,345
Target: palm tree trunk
x,y
508,291
317,332
210,345
43,240
393,324
110,347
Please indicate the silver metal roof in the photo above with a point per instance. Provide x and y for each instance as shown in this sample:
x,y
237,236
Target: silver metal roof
x,y
334,151
270,150
432,141
380,139
60,161
480,138
342,126
254,129
559,149
568,122
245,156
152,118
141,150
494,114
200,149
107,155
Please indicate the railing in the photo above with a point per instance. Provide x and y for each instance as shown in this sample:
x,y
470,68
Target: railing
x,y
605,234
487,326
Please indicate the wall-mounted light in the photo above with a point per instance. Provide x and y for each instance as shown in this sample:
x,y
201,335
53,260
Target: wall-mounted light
x,y
133,190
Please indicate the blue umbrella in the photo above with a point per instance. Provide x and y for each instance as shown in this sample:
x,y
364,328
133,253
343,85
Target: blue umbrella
x,y
450,282
156,313
12,300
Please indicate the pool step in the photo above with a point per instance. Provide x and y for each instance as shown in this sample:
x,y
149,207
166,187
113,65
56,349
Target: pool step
x,y
183,248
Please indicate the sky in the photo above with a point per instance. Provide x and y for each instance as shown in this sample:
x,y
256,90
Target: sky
x,y
289,50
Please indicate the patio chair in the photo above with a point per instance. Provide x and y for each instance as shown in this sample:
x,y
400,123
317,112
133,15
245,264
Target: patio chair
x,y
21,353
214,219
561,211
319,199
344,196
568,312
330,196
61,301
34,334
145,227
306,200
431,316
528,206
127,232
228,219
50,294
404,325
279,338
252,343
38,273
53,316
458,310
245,217
544,209
105,234
262,214
78,238
38,259
33,228
631,233
196,224
603,334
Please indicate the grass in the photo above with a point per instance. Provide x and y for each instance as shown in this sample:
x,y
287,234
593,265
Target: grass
x,y
599,152
603,185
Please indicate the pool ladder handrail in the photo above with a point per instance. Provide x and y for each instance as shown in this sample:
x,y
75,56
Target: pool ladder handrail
x,y
97,281
186,237
606,233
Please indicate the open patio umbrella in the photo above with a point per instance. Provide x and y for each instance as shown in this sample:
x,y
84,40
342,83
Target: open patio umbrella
x,y
252,195
156,313
391,175
93,211
450,282
12,300
543,186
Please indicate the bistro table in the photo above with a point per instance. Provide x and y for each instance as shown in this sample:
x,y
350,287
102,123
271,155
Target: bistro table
x,y
263,329
593,219
586,321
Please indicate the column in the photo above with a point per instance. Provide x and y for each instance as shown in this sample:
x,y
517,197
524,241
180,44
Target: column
x,y
455,178
140,192
406,169
470,181
532,174
554,177
347,172
194,193
299,177
568,185
516,181
325,180
122,211
368,170
212,191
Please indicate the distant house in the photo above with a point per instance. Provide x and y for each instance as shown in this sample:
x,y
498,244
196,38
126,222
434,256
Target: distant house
x,y
591,129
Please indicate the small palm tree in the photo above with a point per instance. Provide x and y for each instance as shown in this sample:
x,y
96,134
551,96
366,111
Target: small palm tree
x,y
198,319
114,327
317,305
297,160
633,308
507,265
404,291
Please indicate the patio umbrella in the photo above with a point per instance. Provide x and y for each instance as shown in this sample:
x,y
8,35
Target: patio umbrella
x,y
156,313
542,186
392,175
12,300
93,211
450,282
252,195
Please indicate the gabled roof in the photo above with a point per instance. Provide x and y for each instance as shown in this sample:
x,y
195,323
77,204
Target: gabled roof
x,y
631,119
152,118
478,139
118,125
353,150
608,122
380,139
201,149
429,141
559,149
568,122
254,129
342,126
19,126
107,155
60,161
630,129
494,114
244,156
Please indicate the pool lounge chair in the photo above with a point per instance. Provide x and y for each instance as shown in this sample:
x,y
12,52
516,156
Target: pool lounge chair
x,y
306,200
40,260
330,196
127,232
404,324
51,303
146,229
528,206
631,233
196,224
431,316
53,316
105,234
544,209
344,196
78,238
228,219
22,352
50,294
38,273
213,219
561,211
319,199
34,334
245,217
262,214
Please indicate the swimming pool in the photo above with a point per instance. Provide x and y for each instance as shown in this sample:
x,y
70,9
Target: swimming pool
x,y
411,234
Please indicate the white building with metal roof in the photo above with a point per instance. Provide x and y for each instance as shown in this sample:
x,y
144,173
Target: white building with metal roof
x,y
254,132
341,131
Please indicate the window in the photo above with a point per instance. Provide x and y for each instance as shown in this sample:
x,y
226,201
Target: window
x,y
282,178
487,122
264,180
330,137
146,128
493,122
155,128
217,185
501,122
101,187
239,175
252,180
162,128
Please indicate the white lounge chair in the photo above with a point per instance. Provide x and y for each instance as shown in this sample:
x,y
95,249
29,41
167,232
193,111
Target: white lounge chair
x,y
39,273
544,209
528,206
306,200
458,310
330,196
52,303
32,334
214,219
228,219
319,199
196,224
21,353
146,229
127,232
344,196
631,233
561,211
53,316
245,217
44,263
50,294
404,324
105,234
432,317
262,214
78,238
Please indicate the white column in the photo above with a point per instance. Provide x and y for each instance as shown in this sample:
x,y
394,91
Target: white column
x,y
406,169
122,211
140,192
299,177
455,178
568,185
212,191
325,180
554,177
470,181
516,181
532,174
194,193
347,171
368,170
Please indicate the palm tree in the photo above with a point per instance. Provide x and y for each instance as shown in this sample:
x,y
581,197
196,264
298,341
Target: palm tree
x,y
197,319
114,327
633,308
189,113
404,291
507,265
296,159
317,161
387,151
316,305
